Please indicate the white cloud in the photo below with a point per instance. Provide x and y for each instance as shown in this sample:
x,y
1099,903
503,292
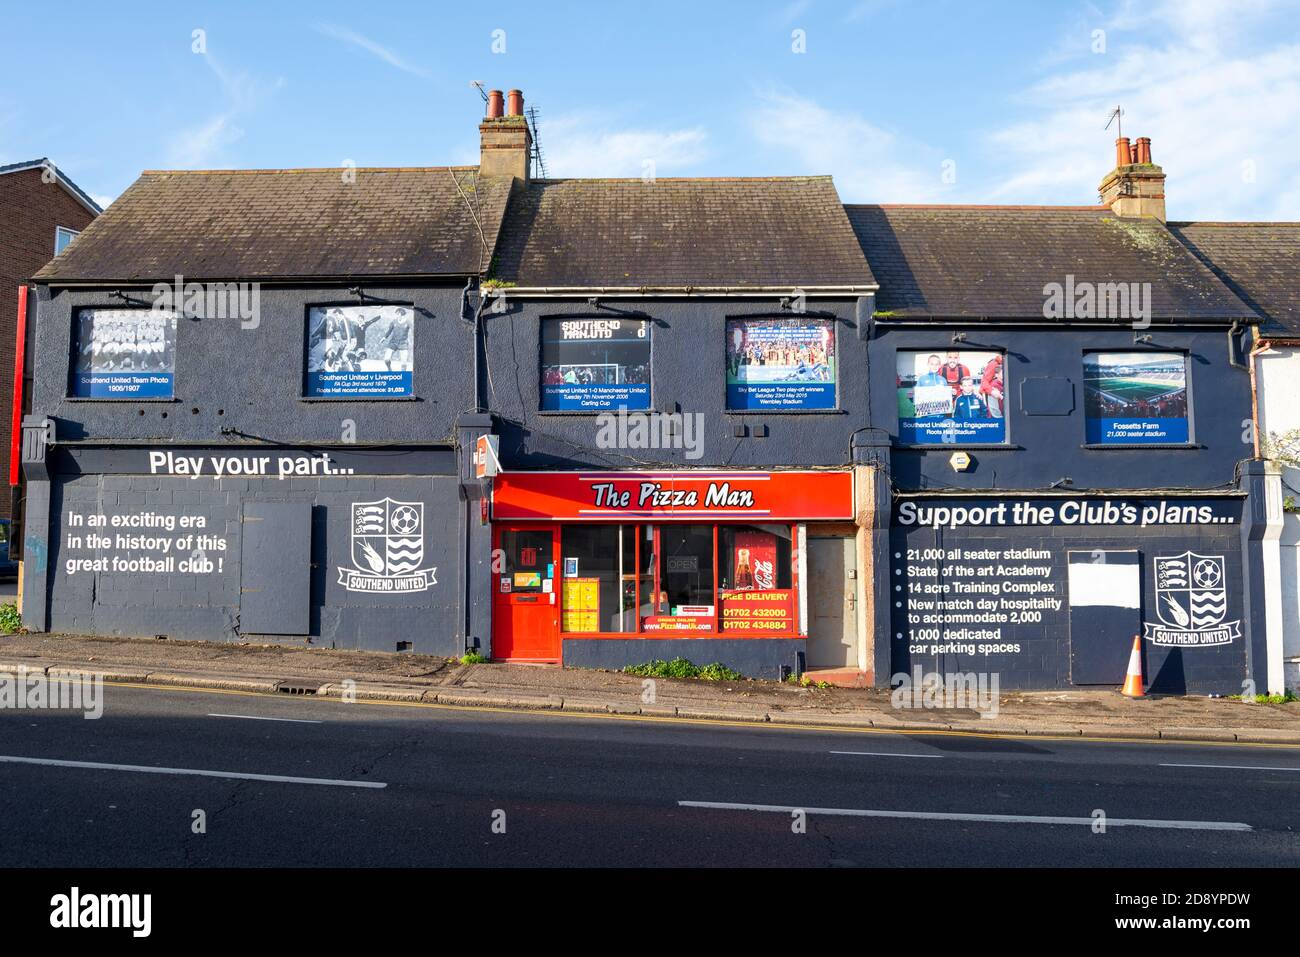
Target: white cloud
x,y
809,138
1216,100
203,144
371,47
588,144
198,146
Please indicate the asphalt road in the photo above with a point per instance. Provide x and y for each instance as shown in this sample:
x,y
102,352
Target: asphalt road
x,y
372,784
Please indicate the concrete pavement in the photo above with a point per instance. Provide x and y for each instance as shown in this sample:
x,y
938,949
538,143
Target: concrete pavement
x,y
420,678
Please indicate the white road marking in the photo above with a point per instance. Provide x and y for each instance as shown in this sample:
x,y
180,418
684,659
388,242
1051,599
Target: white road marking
x,y
258,717
148,769
1229,767
888,754
990,818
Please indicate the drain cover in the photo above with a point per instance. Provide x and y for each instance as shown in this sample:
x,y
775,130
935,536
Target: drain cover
x,y
298,687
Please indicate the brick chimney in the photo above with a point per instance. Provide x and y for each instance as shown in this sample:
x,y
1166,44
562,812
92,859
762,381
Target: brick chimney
x,y
505,144
1136,186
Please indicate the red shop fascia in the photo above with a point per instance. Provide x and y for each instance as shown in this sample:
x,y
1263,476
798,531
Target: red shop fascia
x,y
679,554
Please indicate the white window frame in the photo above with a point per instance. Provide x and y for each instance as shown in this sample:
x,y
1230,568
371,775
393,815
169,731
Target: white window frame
x,y
59,231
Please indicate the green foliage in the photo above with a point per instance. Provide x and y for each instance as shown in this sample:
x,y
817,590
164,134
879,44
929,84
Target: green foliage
x,y
1285,698
803,681
719,672
472,658
684,668
10,620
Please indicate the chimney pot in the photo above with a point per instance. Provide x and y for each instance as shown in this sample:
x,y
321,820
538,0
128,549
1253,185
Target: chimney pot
x,y
1135,188
505,142
1123,153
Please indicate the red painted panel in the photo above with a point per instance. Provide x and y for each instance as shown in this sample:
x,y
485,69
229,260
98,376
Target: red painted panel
x,y
682,496
20,354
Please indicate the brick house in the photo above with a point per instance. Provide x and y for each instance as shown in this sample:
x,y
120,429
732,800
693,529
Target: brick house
x,y
41,211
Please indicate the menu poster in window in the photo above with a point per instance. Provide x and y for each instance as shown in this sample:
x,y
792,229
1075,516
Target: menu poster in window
x,y
1135,398
360,352
595,365
954,396
581,609
125,354
753,560
780,364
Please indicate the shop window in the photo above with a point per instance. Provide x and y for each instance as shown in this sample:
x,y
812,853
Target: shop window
x,y
680,566
528,561
360,352
599,587
781,365
124,354
657,579
951,396
756,592
1135,398
595,365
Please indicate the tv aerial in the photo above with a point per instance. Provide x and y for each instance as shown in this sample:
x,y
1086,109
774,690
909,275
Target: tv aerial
x,y
1116,116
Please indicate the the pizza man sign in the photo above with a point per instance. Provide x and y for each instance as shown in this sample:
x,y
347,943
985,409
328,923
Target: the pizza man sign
x,y
684,495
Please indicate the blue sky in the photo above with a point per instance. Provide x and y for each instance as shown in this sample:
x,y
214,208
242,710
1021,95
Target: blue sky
x,y
941,101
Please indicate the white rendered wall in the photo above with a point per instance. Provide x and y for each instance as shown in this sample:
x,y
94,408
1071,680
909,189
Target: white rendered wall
x,y
1278,382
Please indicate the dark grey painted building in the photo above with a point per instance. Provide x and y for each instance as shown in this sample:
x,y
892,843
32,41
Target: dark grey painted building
x,y
222,448
599,422
1103,494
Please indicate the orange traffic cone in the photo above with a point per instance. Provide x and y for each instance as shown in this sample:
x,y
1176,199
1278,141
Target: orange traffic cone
x,y
1133,680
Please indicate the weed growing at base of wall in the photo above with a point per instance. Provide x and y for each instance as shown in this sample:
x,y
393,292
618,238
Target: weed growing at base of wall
x,y
684,668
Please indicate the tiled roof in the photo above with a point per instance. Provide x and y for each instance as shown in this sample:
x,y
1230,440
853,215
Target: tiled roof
x,y
286,224
671,234
1260,262
993,262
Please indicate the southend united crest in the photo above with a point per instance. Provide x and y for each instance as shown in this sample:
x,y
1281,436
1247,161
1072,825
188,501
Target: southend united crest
x,y
387,548
1192,602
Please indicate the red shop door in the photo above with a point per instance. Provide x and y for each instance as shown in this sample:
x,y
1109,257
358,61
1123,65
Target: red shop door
x,y
525,603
